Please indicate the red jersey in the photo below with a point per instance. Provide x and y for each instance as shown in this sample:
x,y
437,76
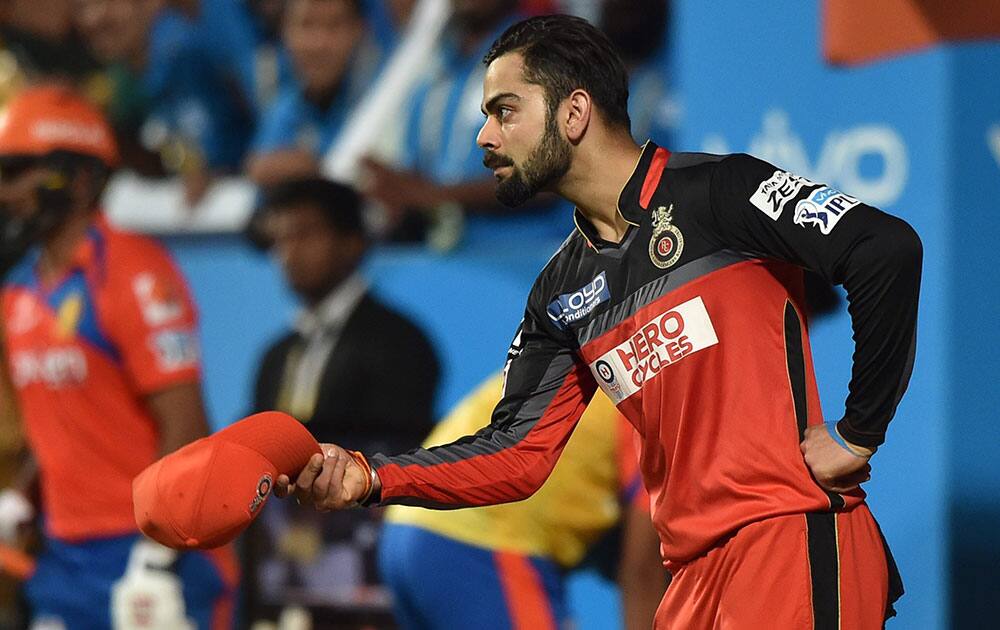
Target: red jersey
x,y
693,325
83,354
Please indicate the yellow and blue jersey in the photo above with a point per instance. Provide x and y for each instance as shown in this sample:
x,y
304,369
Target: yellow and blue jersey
x,y
596,476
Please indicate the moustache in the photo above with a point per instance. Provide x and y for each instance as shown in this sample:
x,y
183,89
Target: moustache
x,y
493,160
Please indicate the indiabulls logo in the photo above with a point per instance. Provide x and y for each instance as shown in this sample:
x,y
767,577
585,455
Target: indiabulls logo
x,y
663,341
263,489
56,368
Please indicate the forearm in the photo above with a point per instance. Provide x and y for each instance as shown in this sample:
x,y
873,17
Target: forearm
x,y
883,284
641,576
506,461
486,469
180,415
26,476
877,257
641,596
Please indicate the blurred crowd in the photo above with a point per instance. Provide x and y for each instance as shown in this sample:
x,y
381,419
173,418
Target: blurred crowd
x,y
198,92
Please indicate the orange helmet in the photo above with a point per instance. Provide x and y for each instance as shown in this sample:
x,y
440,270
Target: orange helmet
x,y
46,118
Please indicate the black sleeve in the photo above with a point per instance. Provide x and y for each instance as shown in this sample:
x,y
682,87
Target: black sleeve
x,y
546,389
758,208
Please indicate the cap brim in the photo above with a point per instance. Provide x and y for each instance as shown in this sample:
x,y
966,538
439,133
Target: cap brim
x,y
276,436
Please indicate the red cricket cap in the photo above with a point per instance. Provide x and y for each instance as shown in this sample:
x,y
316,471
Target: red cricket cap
x,y
203,495
50,117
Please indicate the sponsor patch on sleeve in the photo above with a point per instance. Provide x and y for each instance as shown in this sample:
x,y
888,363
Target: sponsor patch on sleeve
x,y
570,308
823,208
776,191
158,299
175,349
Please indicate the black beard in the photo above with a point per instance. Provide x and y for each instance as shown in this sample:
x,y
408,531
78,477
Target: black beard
x,y
547,164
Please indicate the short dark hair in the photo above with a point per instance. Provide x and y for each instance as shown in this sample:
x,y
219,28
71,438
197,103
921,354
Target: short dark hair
x,y
563,53
340,205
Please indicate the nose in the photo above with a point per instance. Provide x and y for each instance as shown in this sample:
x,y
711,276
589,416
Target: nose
x,y
488,136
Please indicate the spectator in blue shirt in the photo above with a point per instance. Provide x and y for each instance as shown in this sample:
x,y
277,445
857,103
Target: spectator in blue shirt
x,y
186,106
441,165
245,37
335,57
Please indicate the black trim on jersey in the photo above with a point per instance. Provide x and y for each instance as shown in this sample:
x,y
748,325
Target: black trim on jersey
x,y
651,291
896,589
796,367
797,378
513,420
824,569
689,159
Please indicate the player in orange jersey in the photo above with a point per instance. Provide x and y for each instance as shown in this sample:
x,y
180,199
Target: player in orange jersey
x,y
101,344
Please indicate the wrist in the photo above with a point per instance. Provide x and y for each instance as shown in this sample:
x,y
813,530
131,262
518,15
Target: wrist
x,y
853,449
371,478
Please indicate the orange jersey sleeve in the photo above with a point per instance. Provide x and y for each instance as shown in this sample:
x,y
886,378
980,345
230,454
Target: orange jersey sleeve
x,y
154,320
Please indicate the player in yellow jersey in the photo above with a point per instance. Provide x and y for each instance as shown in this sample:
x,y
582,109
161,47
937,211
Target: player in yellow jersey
x,y
503,567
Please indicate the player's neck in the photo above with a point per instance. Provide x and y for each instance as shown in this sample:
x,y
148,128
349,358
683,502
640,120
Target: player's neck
x,y
59,247
596,179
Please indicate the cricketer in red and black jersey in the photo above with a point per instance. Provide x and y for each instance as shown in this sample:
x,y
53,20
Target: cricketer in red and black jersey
x,y
693,324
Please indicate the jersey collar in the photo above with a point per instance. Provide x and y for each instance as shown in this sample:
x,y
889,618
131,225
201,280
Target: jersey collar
x,y
87,254
634,198
89,250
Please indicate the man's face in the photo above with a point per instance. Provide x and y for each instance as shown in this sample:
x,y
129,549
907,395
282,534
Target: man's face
x,y
314,256
30,216
321,36
19,183
522,141
116,30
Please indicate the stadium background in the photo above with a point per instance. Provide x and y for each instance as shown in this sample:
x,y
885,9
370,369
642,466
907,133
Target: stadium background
x,y
917,134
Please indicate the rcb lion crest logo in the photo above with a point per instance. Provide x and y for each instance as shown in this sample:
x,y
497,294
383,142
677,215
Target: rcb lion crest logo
x,y
667,242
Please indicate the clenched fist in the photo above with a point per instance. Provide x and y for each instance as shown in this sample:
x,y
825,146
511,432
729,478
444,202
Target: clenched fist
x,y
834,467
332,481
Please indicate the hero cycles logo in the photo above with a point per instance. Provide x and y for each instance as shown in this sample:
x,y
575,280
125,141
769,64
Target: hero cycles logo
x,y
662,341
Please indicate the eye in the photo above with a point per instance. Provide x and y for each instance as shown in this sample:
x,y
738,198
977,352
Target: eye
x,y
502,112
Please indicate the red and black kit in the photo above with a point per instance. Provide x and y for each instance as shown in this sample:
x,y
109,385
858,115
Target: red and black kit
x,y
694,326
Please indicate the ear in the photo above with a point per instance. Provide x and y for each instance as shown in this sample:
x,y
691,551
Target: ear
x,y
579,108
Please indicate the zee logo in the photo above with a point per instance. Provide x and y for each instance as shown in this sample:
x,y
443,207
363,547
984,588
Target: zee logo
x,y
773,193
572,307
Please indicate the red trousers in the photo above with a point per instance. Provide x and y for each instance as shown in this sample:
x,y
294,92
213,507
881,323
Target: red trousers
x,y
810,571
